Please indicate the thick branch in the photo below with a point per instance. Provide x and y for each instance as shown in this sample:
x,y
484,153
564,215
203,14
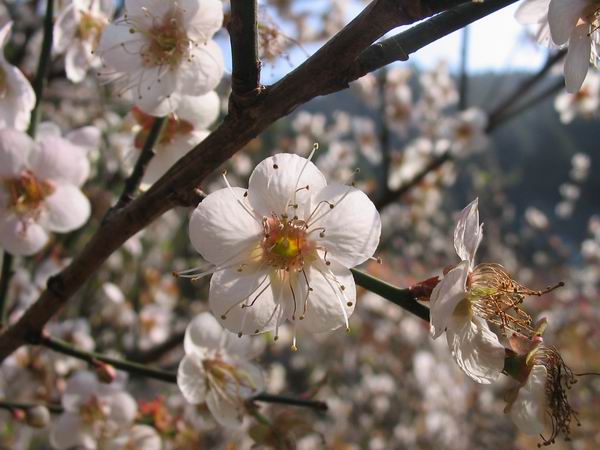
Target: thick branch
x,y
242,27
235,132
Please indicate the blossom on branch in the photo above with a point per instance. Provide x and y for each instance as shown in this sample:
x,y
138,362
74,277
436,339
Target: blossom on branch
x,y
160,50
40,190
216,370
281,250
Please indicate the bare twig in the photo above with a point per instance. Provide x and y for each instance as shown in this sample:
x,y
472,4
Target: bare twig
x,y
333,63
7,260
13,406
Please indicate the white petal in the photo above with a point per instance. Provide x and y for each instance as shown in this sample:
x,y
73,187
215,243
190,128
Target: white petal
x,y
352,227
144,437
230,289
191,379
5,34
15,148
67,209
529,408
22,237
221,229
468,233
228,414
64,29
59,160
19,101
563,16
532,11
201,111
80,387
69,432
476,349
275,180
577,61
202,334
77,62
206,21
168,154
446,295
152,93
158,8
123,409
328,305
88,137
121,49
203,72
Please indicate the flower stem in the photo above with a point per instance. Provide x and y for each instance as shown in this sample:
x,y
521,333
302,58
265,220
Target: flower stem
x,y
404,298
169,377
11,406
43,67
7,260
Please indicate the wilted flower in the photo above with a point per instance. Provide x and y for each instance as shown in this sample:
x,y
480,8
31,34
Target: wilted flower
x,y
539,405
96,415
216,370
17,97
40,190
77,32
162,50
281,249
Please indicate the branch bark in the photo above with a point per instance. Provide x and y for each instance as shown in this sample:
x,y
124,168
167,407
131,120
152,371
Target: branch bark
x,y
333,63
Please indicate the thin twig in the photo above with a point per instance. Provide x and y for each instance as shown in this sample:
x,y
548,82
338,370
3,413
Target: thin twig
x,y
463,80
404,298
7,260
132,183
133,368
12,406
43,67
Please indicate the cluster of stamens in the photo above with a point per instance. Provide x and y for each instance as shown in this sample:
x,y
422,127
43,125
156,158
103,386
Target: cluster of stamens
x,y
286,245
227,380
26,192
90,28
559,380
93,411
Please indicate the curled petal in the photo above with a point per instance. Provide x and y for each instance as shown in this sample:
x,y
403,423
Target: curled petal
x,y
446,295
476,349
468,233
191,379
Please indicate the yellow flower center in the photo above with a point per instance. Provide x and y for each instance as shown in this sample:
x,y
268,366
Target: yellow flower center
x,y
26,192
169,44
286,244
90,28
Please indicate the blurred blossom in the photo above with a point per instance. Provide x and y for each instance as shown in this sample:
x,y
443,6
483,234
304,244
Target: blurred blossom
x,y
580,166
584,103
465,132
536,218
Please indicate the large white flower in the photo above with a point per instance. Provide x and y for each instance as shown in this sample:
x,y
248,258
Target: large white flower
x,y
77,32
216,370
454,307
17,98
96,415
281,249
39,190
163,49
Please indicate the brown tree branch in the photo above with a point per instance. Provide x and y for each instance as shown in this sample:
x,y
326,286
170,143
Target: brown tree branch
x,y
322,73
245,77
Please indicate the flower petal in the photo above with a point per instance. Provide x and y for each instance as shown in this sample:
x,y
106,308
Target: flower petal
x,y
577,61
191,379
221,230
563,16
123,409
206,21
201,111
120,48
70,432
468,233
66,209
446,295
203,71
532,11
275,180
225,412
57,159
351,229
476,349
21,237
203,333
327,305
230,289
15,147
529,408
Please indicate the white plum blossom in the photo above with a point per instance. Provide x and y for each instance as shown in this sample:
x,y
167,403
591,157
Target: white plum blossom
x,y
77,32
465,132
17,97
572,23
96,415
584,103
160,50
186,127
216,370
474,346
39,190
282,249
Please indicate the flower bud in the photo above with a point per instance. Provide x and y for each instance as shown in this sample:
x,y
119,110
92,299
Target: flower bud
x,y
37,416
105,372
